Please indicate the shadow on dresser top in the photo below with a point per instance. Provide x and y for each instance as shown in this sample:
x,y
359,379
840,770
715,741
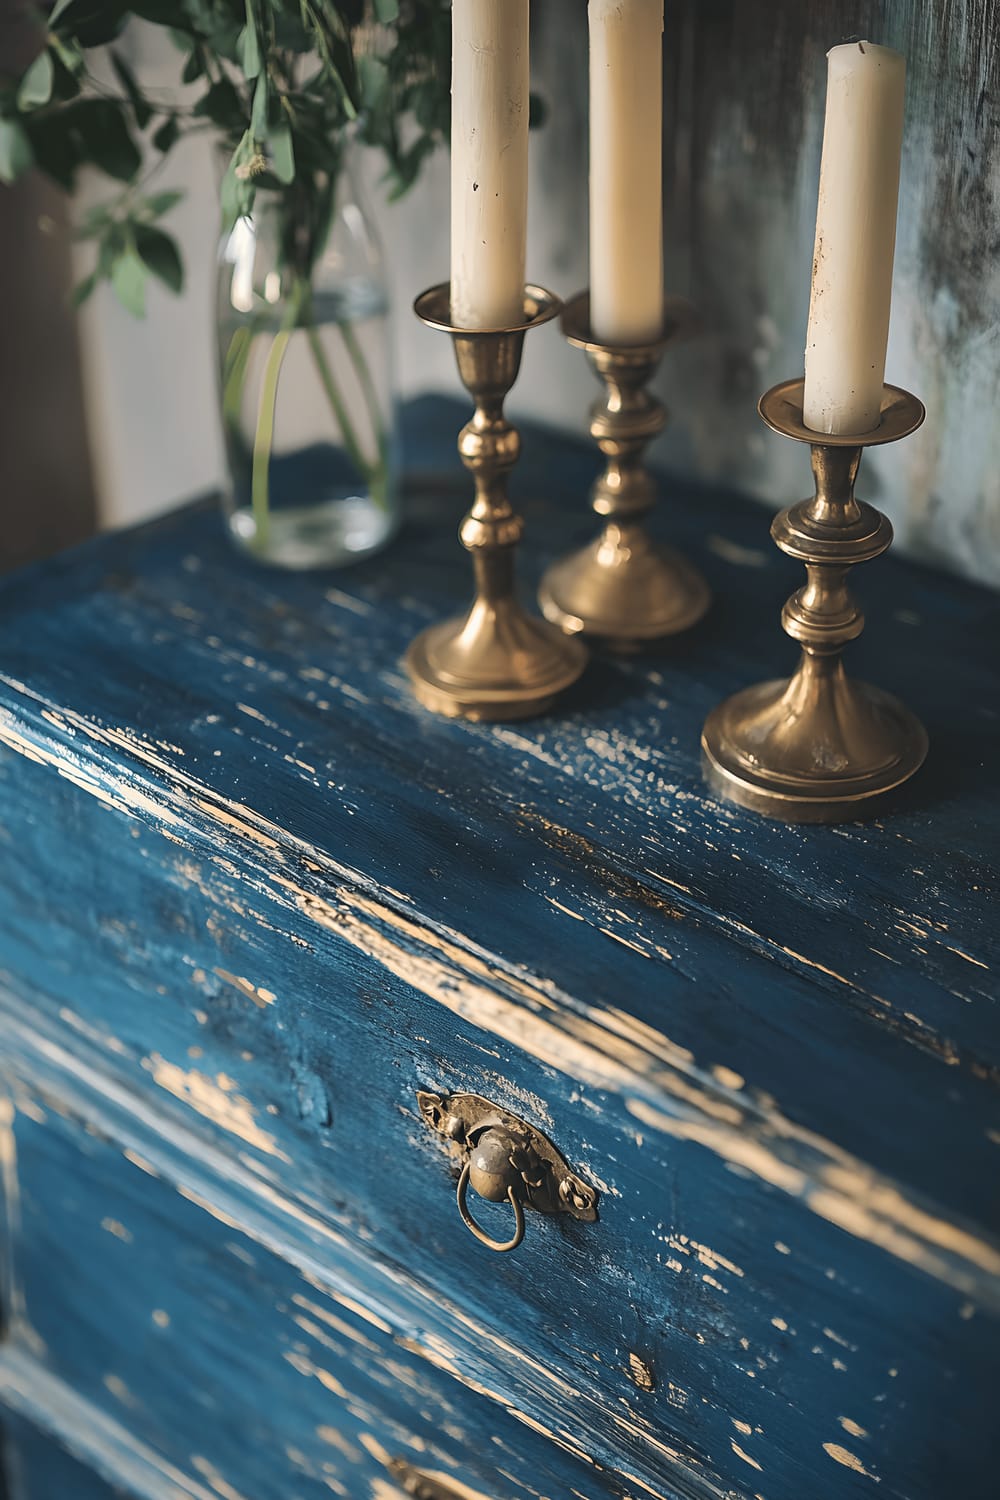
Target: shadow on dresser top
x,y
833,991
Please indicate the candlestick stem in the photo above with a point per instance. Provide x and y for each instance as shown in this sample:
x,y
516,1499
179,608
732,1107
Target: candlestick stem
x,y
495,662
623,587
820,747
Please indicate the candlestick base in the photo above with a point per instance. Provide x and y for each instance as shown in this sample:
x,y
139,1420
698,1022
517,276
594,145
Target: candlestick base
x,y
819,747
815,748
624,588
496,662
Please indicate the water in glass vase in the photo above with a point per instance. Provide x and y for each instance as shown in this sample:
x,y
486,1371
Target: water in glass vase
x,y
307,401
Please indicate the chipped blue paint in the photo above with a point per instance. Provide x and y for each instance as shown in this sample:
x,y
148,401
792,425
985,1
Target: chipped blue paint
x,y
218,1367
254,898
41,1470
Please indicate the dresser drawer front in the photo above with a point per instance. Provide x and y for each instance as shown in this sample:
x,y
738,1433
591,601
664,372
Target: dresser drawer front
x,y
214,1365
703,1332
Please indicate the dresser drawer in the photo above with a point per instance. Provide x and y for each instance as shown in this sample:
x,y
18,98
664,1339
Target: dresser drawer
x,y
725,1318
176,1346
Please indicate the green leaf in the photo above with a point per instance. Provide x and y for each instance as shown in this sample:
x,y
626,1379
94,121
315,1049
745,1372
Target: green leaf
x,y
70,54
235,200
66,83
282,154
129,277
226,39
16,155
109,248
159,12
194,67
373,76
258,117
166,134
36,85
158,204
222,105
237,192
55,145
103,137
94,223
335,51
290,34
386,11
251,51
90,23
83,289
159,254
141,107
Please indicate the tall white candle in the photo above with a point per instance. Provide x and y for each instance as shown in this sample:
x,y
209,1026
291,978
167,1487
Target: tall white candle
x,y
855,238
489,161
626,170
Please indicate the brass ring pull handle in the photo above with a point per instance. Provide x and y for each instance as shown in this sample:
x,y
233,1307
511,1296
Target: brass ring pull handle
x,y
474,1228
505,1160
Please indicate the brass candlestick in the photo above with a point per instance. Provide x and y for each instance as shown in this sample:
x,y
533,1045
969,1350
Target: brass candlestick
x,y
623,587
819,747
495,662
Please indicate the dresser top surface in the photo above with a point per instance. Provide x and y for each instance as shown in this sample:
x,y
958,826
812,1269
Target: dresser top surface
x,y
839,983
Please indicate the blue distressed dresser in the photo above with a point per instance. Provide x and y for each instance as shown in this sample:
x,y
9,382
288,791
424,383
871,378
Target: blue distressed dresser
x,y
255,902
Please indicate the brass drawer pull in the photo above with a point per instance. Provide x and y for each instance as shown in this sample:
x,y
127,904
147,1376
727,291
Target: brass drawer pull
x,y
494,1180
504,1158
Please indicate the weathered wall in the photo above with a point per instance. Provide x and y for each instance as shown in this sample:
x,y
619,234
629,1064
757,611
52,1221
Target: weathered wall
x,y
745,83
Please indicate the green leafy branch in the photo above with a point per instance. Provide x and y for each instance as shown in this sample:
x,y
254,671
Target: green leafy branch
x,y
131,248
278,82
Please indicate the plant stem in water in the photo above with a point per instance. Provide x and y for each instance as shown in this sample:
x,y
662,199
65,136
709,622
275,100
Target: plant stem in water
x,y
298,315
365,381
264,435
337,405
234,374
374,473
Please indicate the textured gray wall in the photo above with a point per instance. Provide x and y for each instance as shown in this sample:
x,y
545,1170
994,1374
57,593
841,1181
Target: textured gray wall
x,y
745,86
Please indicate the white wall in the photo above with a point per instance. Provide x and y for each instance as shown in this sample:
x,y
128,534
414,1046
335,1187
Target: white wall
x,y
150,385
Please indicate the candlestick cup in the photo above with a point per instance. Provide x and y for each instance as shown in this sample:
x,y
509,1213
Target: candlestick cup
x,y
820,747
495,662
622,587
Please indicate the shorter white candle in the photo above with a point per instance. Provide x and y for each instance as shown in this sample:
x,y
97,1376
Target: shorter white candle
x,y
626,170
855,239
489,161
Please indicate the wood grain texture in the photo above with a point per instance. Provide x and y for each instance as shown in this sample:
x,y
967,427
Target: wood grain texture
x,y
171,1266
745,86
41,1469
299,898
225,1369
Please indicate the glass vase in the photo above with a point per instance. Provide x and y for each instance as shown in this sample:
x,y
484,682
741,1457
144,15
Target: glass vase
x,y
305,367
